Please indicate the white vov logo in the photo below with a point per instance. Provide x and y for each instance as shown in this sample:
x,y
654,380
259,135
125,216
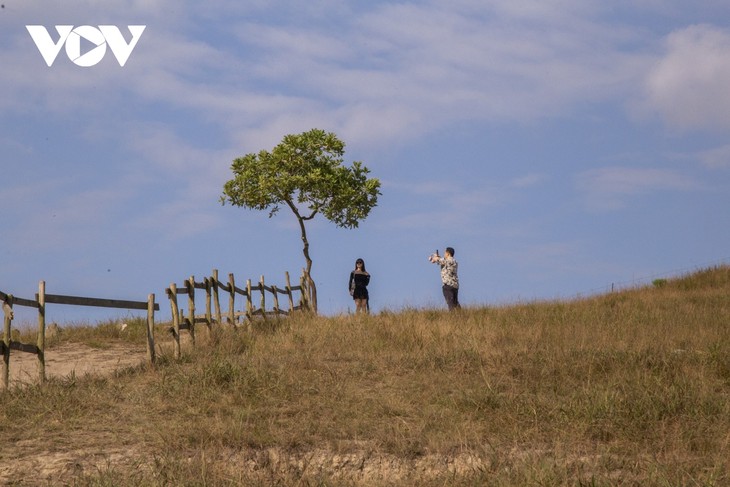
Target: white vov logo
x,y
71,37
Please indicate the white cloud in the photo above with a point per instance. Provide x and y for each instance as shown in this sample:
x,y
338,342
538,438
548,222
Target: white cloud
x,y
426,187
177,220
609,188
422,220
390,73
527,181
688,87
718,158
399,71
449,64
456,206
177,157
17,195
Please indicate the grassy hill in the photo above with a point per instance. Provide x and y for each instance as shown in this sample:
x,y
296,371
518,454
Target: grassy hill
x,y
628,388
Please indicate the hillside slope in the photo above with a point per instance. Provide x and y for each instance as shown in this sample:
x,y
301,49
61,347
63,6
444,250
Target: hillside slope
x,y
628,388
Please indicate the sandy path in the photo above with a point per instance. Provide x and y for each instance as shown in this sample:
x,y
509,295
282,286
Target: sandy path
x,y
74,358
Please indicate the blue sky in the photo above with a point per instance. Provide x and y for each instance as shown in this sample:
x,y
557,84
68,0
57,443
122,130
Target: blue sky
x,y
559,146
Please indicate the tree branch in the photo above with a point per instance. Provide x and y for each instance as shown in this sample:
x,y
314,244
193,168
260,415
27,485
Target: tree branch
x,y
314,213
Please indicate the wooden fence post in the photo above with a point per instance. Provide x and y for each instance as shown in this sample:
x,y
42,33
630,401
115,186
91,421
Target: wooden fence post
x,y
216,298
263,298
208,310
304,291
175,321
151,329
232,300
8,312
190,284
41,342
301,292
311,294
289,292
249,302
276,300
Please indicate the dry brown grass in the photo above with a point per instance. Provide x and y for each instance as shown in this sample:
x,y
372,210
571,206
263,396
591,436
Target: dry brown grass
x,y
630,388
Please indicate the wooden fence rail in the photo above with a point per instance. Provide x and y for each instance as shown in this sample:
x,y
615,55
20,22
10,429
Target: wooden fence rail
x,y
213,313
40,302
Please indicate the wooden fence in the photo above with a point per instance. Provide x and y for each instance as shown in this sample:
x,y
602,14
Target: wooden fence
x,y
213,314
40,302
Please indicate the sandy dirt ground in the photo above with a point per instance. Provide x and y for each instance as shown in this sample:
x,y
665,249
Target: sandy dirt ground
x,y
74,359
50,464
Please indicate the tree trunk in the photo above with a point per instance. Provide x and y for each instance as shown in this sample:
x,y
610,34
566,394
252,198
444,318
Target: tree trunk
x,y
310,282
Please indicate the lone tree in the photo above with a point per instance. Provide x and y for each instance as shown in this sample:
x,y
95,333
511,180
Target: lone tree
x,y
305,172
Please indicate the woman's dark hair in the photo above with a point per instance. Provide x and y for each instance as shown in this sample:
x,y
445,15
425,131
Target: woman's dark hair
x,y
360,261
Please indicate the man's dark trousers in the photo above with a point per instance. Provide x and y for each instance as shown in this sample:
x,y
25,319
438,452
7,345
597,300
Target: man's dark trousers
x,y
451,294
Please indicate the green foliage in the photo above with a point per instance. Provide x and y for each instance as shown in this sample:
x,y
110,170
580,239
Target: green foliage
x,y
659,282
304,170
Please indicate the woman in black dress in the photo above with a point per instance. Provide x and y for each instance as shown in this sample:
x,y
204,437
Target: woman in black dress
x,y
359,280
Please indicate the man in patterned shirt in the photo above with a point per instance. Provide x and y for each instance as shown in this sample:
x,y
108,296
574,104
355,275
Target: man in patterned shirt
x,y
449,276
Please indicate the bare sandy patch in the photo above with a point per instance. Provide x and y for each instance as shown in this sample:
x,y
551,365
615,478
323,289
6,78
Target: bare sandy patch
x,y
75,359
